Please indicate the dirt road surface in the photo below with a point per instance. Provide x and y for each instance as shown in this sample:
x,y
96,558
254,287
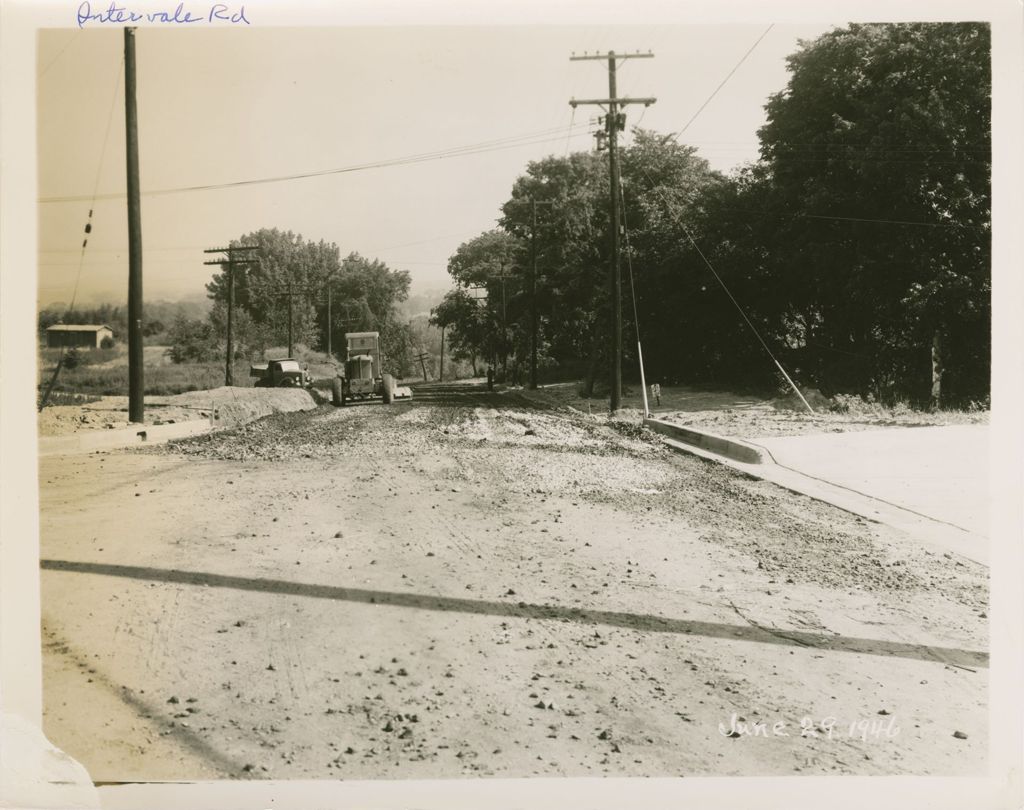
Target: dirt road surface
x,y
474,585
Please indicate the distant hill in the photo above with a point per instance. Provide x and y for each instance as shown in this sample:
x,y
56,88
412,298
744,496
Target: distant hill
x,y
420,304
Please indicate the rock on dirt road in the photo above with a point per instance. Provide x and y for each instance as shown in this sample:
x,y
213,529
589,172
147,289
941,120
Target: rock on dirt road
x,y
474,585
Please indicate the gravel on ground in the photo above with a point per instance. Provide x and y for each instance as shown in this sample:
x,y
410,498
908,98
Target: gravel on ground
x,y
475,584
750,417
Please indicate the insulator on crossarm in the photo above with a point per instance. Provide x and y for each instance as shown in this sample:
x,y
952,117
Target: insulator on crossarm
x,y
88,227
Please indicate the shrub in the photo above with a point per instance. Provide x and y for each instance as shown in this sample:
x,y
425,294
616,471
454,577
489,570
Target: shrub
x,y
107,343
72,358
192,340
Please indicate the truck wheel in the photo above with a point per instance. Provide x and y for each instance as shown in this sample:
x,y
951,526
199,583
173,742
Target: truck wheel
x,y
389,389
337,393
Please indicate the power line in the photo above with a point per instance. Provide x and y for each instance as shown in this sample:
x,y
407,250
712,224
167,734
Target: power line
x,y
908,222
891,221
736,67
812,146
795,214
461,151
88,229
697,247
888,161
168,249
99,171
459,235
728,292
60,53
636,314
572,123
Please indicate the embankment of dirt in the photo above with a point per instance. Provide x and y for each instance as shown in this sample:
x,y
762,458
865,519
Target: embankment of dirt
x,y
232,406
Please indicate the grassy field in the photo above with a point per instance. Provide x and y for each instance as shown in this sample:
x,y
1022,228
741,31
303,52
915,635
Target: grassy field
x,y
104,372
158,380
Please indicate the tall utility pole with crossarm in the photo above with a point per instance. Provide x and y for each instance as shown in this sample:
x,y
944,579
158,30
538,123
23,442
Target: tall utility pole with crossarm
x,y
615,122
136,385
231,263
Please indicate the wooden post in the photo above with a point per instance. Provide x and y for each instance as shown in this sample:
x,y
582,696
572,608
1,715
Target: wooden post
x,y
136,382
937,370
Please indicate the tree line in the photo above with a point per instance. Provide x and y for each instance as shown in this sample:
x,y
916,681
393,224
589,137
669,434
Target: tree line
x,y
327,296
159,316
856,249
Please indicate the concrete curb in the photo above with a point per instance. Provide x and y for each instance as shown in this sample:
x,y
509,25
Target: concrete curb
x,y
730,448
926,530
90,440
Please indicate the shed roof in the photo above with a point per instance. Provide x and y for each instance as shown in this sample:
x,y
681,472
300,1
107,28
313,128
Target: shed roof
x,y
72,327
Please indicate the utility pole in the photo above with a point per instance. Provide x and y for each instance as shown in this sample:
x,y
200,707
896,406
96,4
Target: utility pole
x,y
291,292
534,202
504,324
422,359
229,377
330,300
136,382
329,353
291,299
614,123
440,376
492,360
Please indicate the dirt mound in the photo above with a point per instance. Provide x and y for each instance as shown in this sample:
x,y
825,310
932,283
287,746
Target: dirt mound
x,y
236,406
233,406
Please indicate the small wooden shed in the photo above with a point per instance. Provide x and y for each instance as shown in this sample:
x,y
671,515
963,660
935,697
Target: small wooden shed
x,y
88,336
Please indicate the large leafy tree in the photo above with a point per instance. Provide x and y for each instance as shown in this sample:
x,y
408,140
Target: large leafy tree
x,y
363,295
283,263
857,247
666,187
558,215
469,326
570,196
489,267
878,154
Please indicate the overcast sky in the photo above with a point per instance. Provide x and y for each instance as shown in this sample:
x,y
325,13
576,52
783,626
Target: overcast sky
x,y
225,105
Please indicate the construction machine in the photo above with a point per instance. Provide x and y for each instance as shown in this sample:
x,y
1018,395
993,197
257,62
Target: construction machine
x,y
362,377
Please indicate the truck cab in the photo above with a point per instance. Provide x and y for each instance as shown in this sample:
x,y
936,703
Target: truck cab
x,y
286,372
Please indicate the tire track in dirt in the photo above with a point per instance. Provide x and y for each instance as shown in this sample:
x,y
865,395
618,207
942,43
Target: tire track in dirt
x,y
172,741
505,530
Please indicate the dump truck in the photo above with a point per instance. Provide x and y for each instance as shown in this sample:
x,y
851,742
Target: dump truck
x,y
362,378
286,372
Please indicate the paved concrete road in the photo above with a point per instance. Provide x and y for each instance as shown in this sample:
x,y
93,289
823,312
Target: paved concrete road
x,y
939,472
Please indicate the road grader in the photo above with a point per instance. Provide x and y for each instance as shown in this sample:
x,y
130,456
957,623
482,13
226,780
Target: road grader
x,y
362,378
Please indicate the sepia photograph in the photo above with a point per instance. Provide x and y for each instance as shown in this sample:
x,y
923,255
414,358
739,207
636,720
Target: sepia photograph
x,y
469,402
